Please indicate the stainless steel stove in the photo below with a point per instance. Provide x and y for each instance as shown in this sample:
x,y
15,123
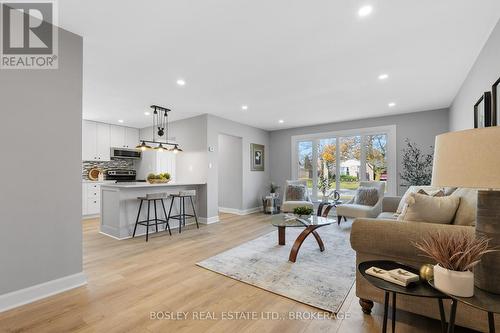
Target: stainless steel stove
x,y
121,175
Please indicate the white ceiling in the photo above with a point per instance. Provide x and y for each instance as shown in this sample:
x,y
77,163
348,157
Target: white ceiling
x,y
306,62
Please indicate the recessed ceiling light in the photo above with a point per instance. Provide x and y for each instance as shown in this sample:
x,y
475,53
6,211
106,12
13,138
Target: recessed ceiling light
x,y
383,76
181,82
147,113
365,11
281,121
244,107
120,121
391,104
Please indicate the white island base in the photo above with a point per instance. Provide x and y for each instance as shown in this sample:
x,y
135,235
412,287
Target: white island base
x,y
119,207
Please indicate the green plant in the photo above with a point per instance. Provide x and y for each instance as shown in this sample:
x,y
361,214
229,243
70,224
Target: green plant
x,y
417,166
273,188
324,185
456,252
302,210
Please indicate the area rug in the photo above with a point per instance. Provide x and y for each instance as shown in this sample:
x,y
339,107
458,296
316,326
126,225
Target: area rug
x,y
319,279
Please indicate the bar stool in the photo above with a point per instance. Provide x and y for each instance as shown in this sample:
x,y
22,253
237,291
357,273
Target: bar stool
x,y
181,217
152,197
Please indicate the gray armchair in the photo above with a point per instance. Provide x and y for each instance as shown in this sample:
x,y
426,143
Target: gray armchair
x,y
351,209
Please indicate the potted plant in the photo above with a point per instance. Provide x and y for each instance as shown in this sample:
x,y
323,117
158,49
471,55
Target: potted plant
x,y
273,189
303,211
455,255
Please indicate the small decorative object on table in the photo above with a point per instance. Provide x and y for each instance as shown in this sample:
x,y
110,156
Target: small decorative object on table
x,y
273,189
427,272
303,211
398,276
160,178
455,255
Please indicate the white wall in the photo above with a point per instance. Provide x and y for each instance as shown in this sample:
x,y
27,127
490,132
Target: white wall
x,y
40,195
230,185
484,72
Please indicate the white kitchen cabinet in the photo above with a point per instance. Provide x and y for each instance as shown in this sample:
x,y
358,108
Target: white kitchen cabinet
x,y
89,141
95,141
91,199
131,137
103,146
124,137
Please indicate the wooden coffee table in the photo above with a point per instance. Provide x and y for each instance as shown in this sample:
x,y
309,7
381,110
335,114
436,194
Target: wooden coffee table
x,y
309,224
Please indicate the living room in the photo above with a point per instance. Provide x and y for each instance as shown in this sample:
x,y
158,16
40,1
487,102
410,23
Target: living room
x,y
250,167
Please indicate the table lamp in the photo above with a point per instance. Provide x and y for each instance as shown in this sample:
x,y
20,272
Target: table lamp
x,y
471,159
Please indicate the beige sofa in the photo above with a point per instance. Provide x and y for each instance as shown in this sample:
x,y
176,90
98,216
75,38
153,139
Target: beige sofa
x,y
390,239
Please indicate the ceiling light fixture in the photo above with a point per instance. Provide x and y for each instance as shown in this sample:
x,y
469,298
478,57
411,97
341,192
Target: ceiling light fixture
x,y
143,146
244,107
181,82
120,121
160,131
383,76
391,104
281,121
365,11
147,113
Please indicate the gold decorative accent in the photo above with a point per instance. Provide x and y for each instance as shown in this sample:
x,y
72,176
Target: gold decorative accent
x,y
427,272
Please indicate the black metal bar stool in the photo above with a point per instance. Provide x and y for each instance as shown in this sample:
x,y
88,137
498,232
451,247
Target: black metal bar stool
x,y
181,217
152,197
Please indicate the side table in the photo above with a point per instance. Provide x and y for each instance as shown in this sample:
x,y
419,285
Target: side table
x,y
417,289
481,300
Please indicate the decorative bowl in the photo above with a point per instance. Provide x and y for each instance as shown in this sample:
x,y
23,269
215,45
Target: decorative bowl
x,y
158,181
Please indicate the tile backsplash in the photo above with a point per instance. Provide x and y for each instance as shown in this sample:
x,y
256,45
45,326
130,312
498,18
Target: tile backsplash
x,y
113,164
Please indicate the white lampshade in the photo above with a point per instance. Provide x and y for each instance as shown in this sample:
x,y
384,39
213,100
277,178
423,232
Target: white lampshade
x,y
469,158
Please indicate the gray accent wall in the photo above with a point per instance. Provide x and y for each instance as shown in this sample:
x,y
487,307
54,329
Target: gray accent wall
x,y
254,182
420,127
484,72
40,195
230,182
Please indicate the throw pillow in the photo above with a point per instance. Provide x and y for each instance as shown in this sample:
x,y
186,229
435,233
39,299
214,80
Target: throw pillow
x,y
366,196
425,208
467,210
296,193
438,193
413,189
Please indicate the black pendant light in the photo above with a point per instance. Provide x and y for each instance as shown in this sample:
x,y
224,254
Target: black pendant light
x,y
143,146
160,131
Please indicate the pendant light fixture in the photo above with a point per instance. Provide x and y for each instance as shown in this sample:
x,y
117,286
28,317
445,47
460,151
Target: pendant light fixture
x,y
143,146
160,131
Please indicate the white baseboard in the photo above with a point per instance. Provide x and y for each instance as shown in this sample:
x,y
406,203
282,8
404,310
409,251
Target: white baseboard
x,y
240,211
34,293
209,220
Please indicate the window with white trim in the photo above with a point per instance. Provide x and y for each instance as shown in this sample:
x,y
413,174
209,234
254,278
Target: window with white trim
x,y
340,160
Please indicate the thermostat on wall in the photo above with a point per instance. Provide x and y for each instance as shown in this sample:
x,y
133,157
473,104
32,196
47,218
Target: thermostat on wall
x,y
211,149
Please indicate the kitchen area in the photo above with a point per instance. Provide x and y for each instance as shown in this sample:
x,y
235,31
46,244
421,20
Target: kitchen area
x,y
121,164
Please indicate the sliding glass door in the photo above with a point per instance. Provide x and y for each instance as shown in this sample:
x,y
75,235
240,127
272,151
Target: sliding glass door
x,y
340,162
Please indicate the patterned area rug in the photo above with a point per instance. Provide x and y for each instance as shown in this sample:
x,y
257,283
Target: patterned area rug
x,y
319,279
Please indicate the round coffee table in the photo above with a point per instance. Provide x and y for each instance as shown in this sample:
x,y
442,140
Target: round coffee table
x,y
418,289
481,300
309,224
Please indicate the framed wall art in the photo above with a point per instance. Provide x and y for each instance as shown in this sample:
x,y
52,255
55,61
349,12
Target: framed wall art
x,y
256,157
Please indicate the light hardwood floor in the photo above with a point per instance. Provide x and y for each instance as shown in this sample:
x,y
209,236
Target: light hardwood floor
x,y
129,279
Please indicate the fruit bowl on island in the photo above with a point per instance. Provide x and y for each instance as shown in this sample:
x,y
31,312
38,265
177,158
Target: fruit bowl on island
x,y
161,178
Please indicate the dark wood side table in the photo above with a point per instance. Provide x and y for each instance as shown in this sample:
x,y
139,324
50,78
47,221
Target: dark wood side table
x,y
481,300
417,289
325,207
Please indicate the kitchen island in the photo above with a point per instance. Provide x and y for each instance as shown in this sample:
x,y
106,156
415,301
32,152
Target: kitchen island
x,y
119,206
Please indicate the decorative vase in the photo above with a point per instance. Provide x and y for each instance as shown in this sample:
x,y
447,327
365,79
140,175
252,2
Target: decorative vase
x,y
325,198
453,282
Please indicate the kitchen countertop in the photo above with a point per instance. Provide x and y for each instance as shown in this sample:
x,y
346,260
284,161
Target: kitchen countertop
x,y
98,182
146,184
